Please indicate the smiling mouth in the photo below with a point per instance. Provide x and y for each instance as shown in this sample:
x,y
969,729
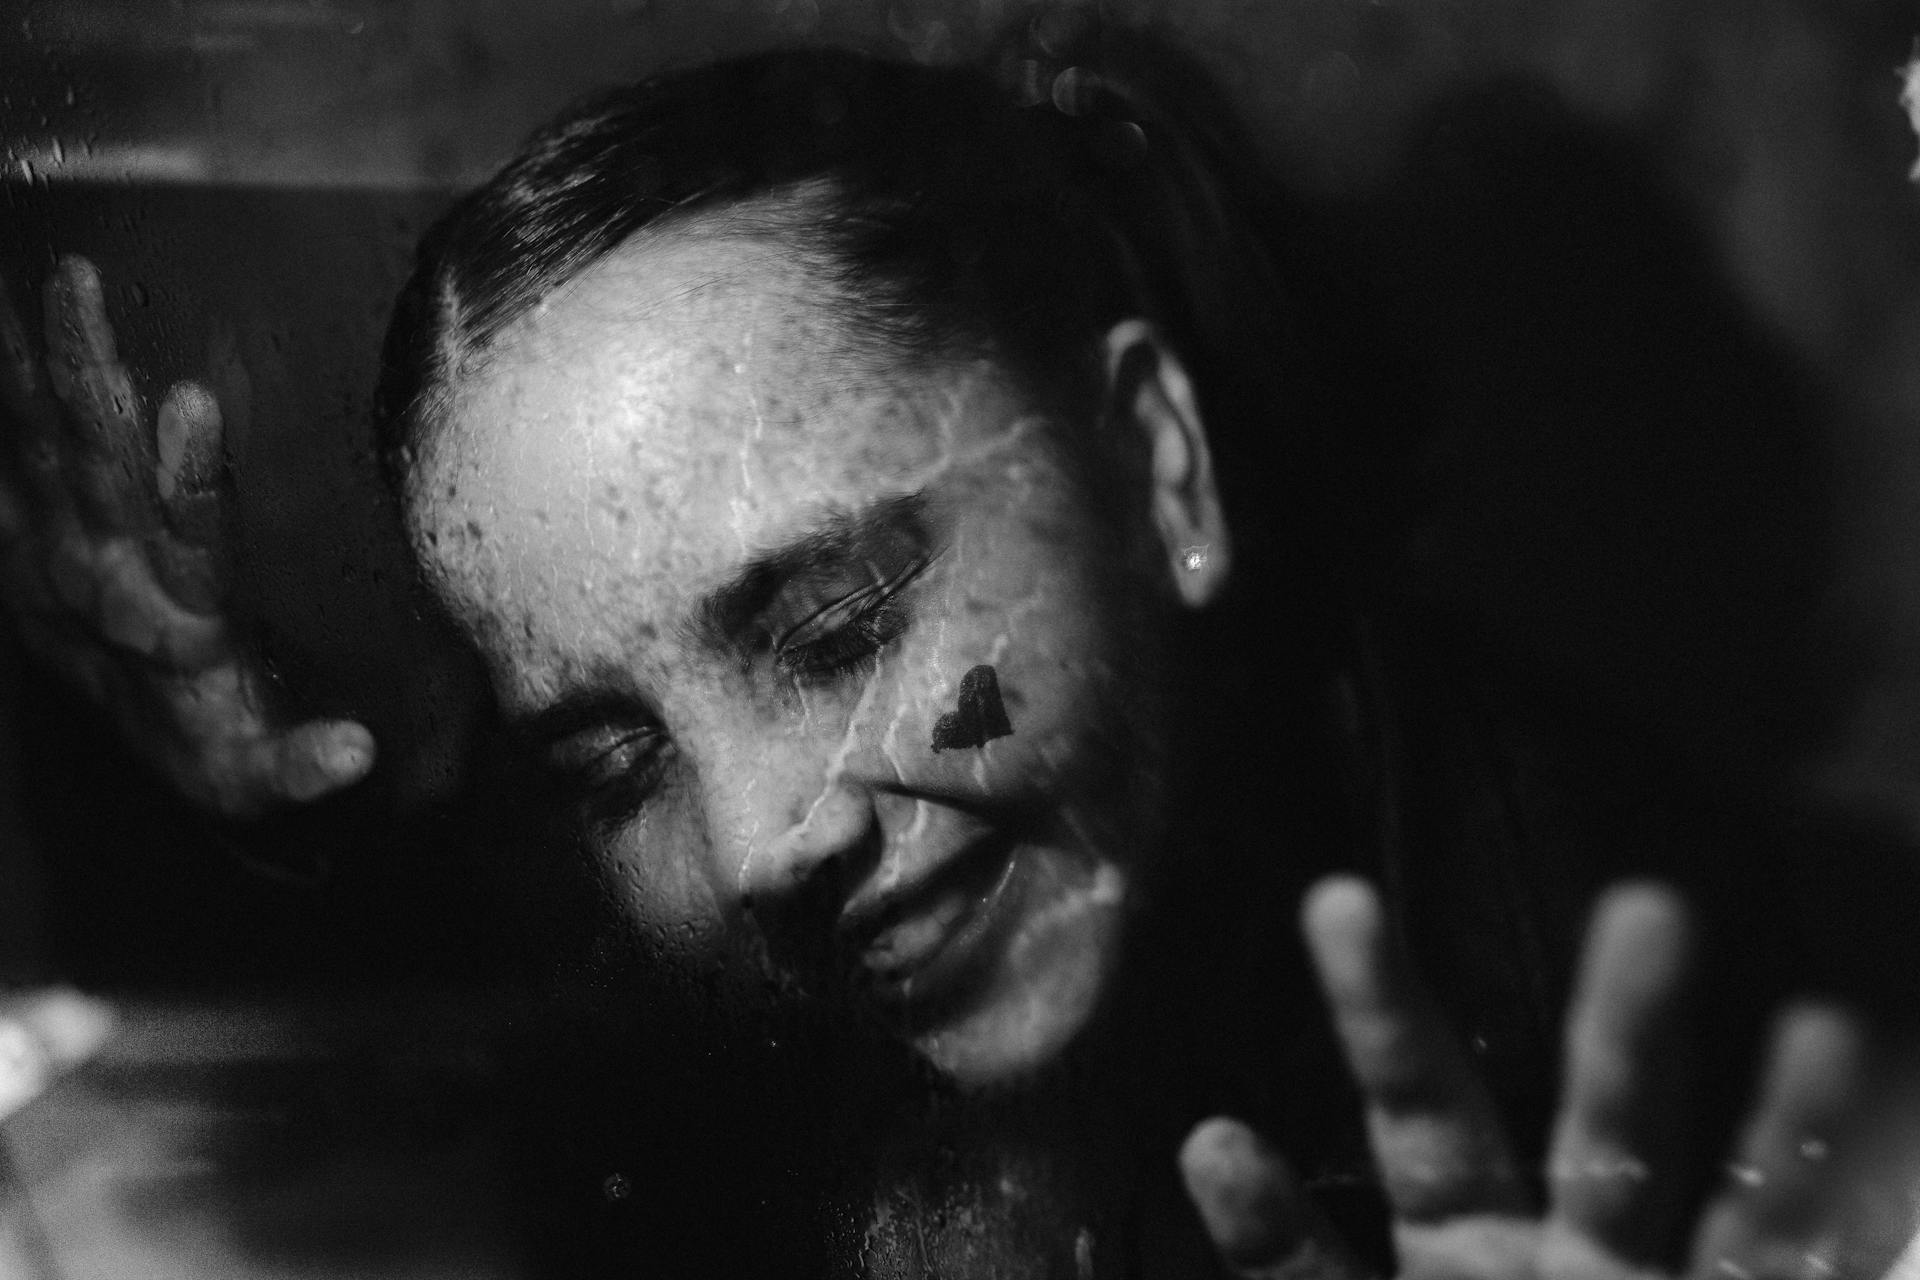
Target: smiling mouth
x,y
929,946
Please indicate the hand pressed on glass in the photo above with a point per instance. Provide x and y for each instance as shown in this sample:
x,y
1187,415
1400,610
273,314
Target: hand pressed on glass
x,y
112,534
1619,1168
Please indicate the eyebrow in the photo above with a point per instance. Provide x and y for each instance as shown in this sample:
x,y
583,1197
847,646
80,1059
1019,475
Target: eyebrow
x,y
724,619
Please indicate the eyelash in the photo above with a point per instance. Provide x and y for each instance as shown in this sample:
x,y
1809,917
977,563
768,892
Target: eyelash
x,y
611,786
847,648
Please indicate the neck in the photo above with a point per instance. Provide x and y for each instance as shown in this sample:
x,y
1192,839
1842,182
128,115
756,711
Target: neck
x,y
1066,1177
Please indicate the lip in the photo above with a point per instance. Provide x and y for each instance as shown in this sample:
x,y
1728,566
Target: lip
x,y
929,943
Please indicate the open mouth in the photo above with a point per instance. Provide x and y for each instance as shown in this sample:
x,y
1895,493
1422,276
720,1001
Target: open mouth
x,y
929,945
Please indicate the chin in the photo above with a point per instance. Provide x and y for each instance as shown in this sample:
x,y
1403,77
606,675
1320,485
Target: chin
x,y
1046,991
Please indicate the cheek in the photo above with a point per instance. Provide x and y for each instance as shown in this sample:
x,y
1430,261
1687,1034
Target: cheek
x,y
1057,666
1059,702
657,868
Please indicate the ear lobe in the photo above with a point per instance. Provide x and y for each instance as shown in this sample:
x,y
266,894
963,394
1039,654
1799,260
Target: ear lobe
x,y
1151,394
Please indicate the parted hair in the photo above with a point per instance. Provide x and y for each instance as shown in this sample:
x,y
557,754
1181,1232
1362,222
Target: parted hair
x,y
1013,208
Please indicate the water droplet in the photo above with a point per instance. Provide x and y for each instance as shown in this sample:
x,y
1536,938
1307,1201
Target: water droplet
x,y
616,1188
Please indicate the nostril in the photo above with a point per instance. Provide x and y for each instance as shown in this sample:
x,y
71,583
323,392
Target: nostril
x,y
793,889
798,911
801,924
823,886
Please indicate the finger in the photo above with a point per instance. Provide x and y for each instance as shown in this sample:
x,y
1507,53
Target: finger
x,y
42,1035
1433,1127
188,472
1261,1222
111,458
133,610
321,757
296,766
191,574
1612,1167
189,462
1769,1218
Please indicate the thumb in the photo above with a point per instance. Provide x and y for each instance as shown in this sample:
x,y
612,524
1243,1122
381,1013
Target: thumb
x,y
1261,1221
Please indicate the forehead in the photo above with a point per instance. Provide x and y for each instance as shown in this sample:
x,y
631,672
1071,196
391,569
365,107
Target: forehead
x,y
682,403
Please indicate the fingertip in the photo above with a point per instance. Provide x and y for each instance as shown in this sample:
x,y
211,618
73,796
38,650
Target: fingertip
x,y
187,436
74,291
1651,901
1817,1038
1341,904
1219,1149
1248,1199
76,271
353,750
1345,925
325,757
80,342
71,1025
43,1034
1644,924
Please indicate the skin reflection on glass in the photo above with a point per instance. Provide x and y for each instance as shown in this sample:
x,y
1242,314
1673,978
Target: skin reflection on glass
x,y
729,566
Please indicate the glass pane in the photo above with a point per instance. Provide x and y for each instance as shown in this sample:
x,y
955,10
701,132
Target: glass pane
x,y
778,710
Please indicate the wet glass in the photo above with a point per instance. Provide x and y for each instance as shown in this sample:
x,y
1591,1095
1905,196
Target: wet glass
x,y
1604,324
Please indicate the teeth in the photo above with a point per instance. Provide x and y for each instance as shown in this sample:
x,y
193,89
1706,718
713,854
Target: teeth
x,y
913,940
945,912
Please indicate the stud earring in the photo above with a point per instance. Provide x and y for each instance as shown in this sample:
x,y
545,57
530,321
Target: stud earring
x,y
1194,559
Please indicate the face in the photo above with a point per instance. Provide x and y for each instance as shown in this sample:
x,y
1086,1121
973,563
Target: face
x,y
837,667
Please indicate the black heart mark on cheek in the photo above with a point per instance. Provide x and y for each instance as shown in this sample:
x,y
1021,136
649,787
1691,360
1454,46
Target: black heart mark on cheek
x,y
981,717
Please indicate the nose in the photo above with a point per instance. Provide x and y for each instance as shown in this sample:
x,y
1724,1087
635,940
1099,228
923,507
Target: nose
x,y
834,829
794,885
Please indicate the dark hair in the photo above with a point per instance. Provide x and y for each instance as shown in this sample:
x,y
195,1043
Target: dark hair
x,y
1017,208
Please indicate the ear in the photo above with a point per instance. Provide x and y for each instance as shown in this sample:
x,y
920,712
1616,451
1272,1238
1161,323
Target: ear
x,y
1150,394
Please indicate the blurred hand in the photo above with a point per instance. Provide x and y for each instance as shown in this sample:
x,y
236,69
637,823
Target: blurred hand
x,y
1801,1197
42,1035
111,564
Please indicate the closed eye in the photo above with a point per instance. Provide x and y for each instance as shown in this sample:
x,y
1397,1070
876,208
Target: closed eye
x,y
610,770
845,635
